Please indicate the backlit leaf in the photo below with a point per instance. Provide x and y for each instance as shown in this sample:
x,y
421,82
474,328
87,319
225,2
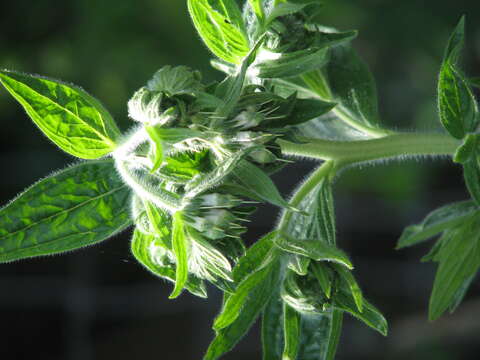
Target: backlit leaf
x,y
220,24
180,249
76,207
66,114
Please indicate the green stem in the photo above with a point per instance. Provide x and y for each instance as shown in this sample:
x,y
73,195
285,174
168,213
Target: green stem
x,y
391,146
304,190
339,154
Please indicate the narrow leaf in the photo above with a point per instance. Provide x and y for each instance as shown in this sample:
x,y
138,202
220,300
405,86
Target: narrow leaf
x,y
443,218
76,207
254,258
291,327
351,286
459,260
236,301
254,179
370,315
314,249
180,249
66,114
335,332
226,338
142,246
272,329
471,174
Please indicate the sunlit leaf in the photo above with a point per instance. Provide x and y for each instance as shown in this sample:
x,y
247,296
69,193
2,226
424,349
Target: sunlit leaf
x,y
221,27
180,249
66,114
76,207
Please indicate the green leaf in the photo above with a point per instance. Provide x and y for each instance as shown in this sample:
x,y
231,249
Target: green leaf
x,y
319,335
254,258
254,179
176,80
231,88
299,264
291,327
214,178
180,249
459,259
215,263
456,42
370,315
471,174
313,249
460,294
467,150
324,276
439,220
221,27
350,285
142,246
474,82
456,103
76,207
347,81
257,9
226,338
270,65
287,8
67,115
160,221
302,111
233,306
272,329
335,332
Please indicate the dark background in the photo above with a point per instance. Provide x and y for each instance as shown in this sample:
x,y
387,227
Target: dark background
x,y
99,304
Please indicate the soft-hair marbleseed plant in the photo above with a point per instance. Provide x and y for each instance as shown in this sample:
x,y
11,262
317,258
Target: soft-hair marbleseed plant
x,y
189,173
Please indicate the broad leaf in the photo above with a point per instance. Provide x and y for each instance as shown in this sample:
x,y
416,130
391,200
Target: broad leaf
x,y
176,80
439,220
220,24
457,106
467,150
456,103
180,249
347,81
66,114
459,259
76,207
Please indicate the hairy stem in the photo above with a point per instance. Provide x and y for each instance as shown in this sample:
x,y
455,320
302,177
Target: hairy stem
x,y
339,154
391,146
304,190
